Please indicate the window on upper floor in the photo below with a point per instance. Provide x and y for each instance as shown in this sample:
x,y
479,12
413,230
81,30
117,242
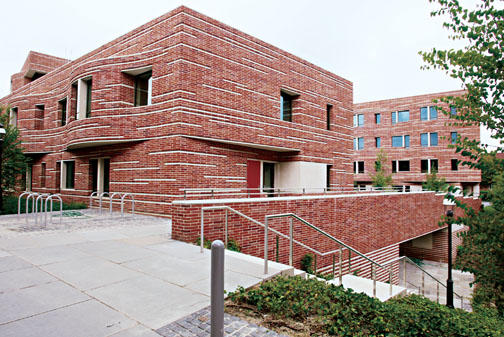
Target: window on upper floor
x,y
400,166
358,167
453,137
377,118
429,139
400,116
358,120
359,143
286,103
328,177
428,113
401,141
377,142
143,89
13,116
62,105
68,174
428,165
453,110
39,116
329,108
84,94
454,164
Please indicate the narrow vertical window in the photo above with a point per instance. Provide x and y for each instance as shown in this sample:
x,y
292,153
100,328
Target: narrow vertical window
x,y
89,84
424,139
454,164
433,165
143,89
63,111
378,142
406,141
328,177
43,175
377,118
433,139
269,178
394,117
328,116
13,116
360,143
453,110
424,166
286,106
453,137
68,174
39,116
424,113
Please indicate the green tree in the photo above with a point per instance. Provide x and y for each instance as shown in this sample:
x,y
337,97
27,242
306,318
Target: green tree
x,y
13,160
435,183
479,66
381,178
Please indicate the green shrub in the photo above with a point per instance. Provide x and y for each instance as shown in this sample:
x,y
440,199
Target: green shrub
x,y
232,244
307,263
330,309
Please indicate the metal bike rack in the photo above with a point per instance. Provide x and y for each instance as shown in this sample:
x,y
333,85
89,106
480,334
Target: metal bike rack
x,y
132,203
101,198
111,199
41,196
91,199
31,195
50,198
19,200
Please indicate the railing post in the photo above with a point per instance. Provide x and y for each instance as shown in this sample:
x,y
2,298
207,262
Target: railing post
x,y
437,292
291,236
202,235
315,264
226,229
341,265
217,290
390,281
266,245
277,248
423,283
373,275
404,273
333,265
349,261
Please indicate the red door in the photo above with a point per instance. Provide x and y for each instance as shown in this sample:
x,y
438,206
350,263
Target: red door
x,y
253,177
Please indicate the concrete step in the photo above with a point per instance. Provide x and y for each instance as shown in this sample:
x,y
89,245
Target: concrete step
x,y
364,285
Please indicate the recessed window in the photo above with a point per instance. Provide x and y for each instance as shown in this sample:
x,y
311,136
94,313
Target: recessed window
x,y
359,143
358,120
328,177
328,116
63,111
453,137
428,113
358,167
39,116
13,116
378,142
429,139
454,164
377,118
43,175
68,175
143,89
428,165
400,166
84,93
453,110
400,116
286,103
401,141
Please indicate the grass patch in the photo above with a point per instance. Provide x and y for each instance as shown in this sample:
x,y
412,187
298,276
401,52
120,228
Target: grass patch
x,y
10,205
300,307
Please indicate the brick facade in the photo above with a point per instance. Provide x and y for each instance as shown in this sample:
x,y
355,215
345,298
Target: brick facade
x,y
463,177
215,105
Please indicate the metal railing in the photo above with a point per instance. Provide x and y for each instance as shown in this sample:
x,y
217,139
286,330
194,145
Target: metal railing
x,y
374,264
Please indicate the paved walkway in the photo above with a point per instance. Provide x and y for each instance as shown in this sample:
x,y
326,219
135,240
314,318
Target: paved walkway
x,y
98,277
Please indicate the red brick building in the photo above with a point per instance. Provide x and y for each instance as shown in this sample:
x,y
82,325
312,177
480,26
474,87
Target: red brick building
x,y
181,102
415,137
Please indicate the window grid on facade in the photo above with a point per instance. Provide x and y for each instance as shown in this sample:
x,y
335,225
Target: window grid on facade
x,y
401,141
428,113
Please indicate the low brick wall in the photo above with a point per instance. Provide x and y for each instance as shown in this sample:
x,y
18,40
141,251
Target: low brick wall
x,y
368,222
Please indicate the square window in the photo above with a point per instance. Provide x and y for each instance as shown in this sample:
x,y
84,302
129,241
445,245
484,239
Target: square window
x,y
403,116
397,141
454,164
403,165
453,110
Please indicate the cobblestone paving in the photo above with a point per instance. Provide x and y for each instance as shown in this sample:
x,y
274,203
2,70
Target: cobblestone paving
x,y
198,324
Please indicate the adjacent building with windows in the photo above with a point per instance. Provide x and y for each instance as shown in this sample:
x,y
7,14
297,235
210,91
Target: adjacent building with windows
x,y
180,103
415,138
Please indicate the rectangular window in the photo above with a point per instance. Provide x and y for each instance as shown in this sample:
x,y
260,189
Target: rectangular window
x,y
358,120
394,117
13,116
377,166
397,141
29,177
424,166
328,116
424,139
433,165
358,167
454,164
84,97
360,145
286,106
400,116
453,110
406,141
63,111
355,144
377,118
428,113
403,165
89,84
39,116
69,174
268,178
394,166
43,175
378,142
143,89
433,139
453,137
328,177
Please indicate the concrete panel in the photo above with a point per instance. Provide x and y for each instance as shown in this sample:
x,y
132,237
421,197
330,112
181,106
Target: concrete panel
x,y
47,255
8,263
138,331
22,278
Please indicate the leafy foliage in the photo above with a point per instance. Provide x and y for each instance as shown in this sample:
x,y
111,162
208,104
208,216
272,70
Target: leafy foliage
x,y
333,310
232,244
13,159
435,183
307,263
381,178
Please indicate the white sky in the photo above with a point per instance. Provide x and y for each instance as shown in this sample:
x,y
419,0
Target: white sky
x,y
372,43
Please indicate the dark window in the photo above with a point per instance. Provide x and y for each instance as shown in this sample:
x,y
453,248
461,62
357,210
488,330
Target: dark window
x,y
354,167
360,167
407,188
328,177
453,137
89,84
377,118
69,174
394,166
63,111
43,175
433,165
454,164
93,163
328,117
286,106
269,178
106,175
37,75
404,165
142,88
73,100
39,116
377,166
378,142
424,166
58,175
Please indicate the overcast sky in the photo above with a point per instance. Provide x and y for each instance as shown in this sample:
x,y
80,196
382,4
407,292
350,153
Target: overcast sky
x,y
372,43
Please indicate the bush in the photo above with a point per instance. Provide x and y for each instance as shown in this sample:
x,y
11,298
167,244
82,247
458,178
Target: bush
x,y
330,309
232,244
307,263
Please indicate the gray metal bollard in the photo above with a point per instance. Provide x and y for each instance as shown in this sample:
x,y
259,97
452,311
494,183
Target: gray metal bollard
x,y
217,289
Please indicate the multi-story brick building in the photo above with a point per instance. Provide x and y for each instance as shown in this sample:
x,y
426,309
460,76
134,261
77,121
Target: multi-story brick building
x,y
181,102
415,138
